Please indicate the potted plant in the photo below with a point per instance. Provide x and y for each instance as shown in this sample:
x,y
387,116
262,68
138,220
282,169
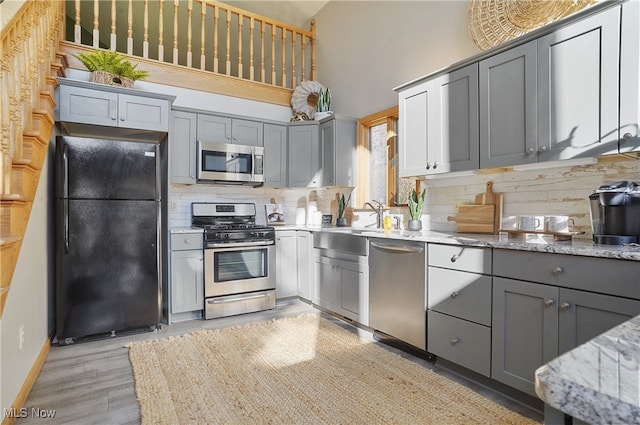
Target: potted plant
x,y
415,209
109,67
341,221
323,104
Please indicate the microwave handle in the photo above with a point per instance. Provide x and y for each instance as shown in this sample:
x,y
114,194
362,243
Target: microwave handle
x,y
253,163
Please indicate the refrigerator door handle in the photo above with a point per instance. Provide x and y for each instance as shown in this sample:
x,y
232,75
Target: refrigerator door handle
x,y
65,218
65,171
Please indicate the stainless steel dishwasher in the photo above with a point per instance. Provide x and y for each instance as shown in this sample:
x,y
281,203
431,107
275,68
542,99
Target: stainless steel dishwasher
x,y
397,290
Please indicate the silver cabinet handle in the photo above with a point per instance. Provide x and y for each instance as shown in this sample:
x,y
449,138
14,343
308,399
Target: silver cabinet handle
x,y
530,150
113,117
565,306
542,149
187,241
557,270
428,165
549,302
435,165
454,341
454,294
627,136
454,258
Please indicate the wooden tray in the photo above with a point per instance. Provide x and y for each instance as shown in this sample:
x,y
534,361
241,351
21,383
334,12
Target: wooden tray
x,y
557,236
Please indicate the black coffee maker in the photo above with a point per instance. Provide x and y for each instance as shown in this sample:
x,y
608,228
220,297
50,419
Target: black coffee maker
x,y
615,213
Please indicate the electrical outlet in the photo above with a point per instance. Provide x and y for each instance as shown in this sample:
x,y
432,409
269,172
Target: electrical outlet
x,y
21,337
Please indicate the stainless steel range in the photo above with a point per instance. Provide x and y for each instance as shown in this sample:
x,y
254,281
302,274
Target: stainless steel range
x,y
239,259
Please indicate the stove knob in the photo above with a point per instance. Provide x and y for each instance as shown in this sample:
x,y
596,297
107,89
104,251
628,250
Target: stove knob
x,y
226,236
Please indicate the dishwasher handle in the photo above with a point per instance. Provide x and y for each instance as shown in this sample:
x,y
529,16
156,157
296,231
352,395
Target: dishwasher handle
x,y
398,247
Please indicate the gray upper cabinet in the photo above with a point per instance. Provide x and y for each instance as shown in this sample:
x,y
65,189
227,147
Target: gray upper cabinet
x,y
214,128
275,155
578,88
304,156
416,129
182,147
345,152
630,78
327,147
508,107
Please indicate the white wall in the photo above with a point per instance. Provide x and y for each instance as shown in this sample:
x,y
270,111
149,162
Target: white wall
x,y
366,48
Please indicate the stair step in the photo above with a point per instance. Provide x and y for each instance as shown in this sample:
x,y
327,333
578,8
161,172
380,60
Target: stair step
x,y
14,215
9,251
41,125
59,69
47,102
62,59
33,150
24,177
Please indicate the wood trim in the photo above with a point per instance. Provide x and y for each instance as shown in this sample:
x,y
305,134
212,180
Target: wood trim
x,y
195,79
27,385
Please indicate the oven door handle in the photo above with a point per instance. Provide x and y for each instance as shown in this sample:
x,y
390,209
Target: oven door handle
x,y
238,244
236,299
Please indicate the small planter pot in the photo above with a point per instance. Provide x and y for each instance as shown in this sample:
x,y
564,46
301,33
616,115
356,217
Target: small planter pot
x,y
341,221
415,225
322,115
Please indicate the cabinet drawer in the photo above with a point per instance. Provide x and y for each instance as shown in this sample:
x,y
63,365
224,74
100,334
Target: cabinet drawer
x,y
182,241
603,275
461,342
463,258
461,294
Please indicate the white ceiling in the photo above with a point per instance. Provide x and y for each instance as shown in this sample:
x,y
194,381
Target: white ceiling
x,y
293,12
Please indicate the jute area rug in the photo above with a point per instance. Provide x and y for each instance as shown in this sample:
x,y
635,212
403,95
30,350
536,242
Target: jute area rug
x,y
301,370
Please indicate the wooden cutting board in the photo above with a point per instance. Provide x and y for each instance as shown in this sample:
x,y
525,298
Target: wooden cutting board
x,y
474,218
489,197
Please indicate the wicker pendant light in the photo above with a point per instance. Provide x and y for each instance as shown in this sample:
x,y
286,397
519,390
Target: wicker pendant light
x,y
493,22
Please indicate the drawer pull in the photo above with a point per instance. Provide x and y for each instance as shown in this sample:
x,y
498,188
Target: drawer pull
x,y
454,258
557,270
564,306
549,302
187,241
454,341
455,294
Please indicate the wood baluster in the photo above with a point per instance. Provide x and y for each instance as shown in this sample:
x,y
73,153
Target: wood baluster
x,y
130,29
189,32
313,50
303,56
145,40
228,64
284,57
251,32
203,14
240,25
77,29
216,15
161,30
273,54
263,28
96,22
113,26
176,3
293,58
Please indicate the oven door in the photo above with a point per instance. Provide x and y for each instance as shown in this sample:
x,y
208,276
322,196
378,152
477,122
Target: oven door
x,y
237,270
231,163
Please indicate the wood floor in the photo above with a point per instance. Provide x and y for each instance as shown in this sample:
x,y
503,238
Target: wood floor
x,y
92,382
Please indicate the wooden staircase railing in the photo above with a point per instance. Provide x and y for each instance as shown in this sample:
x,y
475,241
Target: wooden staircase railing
x,y
28,70
203,35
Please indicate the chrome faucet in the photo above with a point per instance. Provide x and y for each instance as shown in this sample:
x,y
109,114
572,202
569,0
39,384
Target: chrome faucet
x,y
378,210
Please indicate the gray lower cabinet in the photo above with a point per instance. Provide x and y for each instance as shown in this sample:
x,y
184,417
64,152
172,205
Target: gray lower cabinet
x,y
112,108
187,276
182,147
305,271
215,128
276,167
286,264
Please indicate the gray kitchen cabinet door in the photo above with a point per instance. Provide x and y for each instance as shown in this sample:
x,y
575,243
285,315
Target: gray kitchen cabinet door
x,y
354,291
286,264
585,315
182,147
244,132
346,165
187,282
630,78
525,331
328,276
578,88
143,113
456,145
304,248
213,128
275,155
508,107
87,106
415,129
327,146
304,156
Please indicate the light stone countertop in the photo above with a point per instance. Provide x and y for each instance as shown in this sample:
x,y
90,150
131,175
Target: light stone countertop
x,y
599,381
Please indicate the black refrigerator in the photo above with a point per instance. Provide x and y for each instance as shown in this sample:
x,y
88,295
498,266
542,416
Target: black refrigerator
x,y
107,237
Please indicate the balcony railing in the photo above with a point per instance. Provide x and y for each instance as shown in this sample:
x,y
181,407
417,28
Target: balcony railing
x,y
201,34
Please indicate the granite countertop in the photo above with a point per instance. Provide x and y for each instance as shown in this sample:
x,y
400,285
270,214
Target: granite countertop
x,y
533,242
599,381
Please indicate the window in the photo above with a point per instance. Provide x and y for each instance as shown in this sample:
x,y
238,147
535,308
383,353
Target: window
x,y
377,161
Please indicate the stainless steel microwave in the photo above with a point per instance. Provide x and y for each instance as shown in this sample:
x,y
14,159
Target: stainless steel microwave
x,y
230,163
